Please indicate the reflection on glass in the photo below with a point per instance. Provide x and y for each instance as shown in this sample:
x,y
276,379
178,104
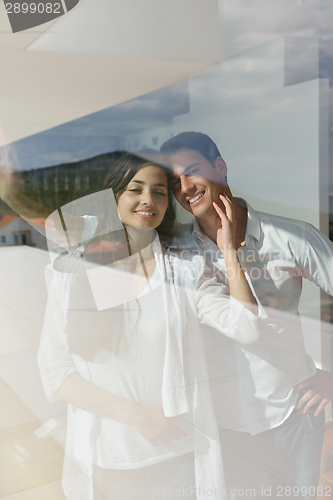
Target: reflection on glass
x,y
268,110
121,341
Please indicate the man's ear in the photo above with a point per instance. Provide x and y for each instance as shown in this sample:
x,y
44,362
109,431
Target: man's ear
x,y
221,167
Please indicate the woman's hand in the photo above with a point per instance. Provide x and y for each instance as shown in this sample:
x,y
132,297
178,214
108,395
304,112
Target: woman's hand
x,y
10,182
226,240
11,193
226,224
146,418
149,421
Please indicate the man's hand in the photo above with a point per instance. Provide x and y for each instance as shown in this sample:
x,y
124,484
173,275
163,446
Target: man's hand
x,y
320,392
149,421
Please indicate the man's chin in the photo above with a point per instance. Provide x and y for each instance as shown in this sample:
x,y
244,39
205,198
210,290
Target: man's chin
x,y
197,209
186,207
201,212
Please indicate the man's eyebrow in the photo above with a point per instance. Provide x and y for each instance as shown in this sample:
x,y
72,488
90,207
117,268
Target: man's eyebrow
x,y
177,176
191,166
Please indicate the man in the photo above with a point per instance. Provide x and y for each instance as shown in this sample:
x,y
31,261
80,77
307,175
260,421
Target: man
x,y
268,397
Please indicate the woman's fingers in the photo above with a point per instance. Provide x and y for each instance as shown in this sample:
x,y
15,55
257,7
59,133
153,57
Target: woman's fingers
x,y
219,211
228,206
153,441
176,429
228,214
155,427
169,432
226,232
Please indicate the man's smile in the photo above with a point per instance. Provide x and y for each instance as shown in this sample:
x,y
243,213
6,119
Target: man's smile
x,y
195,200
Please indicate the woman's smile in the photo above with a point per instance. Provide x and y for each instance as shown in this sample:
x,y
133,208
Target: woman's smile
x,y
145,199
145,214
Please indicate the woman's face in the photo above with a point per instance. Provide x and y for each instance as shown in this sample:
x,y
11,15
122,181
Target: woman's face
x,y
145,199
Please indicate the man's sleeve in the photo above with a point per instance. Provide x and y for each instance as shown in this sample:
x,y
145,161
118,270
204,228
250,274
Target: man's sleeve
x,y
316,258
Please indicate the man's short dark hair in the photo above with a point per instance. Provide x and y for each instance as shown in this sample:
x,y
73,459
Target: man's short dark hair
x,y
193,140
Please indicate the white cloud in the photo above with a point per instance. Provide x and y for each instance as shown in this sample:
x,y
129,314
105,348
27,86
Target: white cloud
x,y
249,23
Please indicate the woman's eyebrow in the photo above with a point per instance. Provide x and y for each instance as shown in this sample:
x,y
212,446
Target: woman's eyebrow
x,y
159,184
138,182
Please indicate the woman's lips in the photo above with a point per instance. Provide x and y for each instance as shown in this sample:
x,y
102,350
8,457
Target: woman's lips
x,y
144,214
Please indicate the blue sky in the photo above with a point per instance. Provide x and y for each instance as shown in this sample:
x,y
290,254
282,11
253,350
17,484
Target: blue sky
x,y
103,131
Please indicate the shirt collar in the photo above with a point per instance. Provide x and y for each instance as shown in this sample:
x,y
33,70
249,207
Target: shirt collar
x,y
252,226
197,231
253,222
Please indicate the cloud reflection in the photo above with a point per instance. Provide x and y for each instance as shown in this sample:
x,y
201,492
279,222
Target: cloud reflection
x,y
248,23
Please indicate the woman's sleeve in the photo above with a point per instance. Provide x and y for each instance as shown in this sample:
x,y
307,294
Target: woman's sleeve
x,y
223,312
54,358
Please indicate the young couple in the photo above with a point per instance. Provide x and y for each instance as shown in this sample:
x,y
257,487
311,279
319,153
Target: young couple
x,y
268,396
133,371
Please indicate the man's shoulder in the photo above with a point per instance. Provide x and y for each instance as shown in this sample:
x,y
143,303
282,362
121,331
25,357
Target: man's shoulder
x,y
296,233
261,224
271,221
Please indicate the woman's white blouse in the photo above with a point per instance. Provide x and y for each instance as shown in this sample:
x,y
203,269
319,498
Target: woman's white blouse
x,y
160,359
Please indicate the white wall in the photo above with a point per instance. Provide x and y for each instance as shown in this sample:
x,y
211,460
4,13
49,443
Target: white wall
x,y
173,30
17,226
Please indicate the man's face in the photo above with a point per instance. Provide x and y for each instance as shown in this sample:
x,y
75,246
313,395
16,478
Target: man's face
x,y
197,182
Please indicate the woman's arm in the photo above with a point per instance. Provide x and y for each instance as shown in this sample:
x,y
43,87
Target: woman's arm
x,y
235,316
146,418
27,208
226,237
225,314
61,380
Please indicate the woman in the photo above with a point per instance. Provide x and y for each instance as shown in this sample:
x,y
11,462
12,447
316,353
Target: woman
x,y
132,367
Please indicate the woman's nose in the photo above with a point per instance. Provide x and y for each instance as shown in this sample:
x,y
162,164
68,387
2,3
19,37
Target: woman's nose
x,y
147,199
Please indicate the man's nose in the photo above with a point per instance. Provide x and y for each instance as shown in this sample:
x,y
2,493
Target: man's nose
x,y
186,184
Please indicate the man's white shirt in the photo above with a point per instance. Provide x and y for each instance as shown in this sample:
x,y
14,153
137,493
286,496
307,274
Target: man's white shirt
x,y
252,385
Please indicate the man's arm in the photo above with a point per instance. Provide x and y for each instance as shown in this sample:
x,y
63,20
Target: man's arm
x,y
316,263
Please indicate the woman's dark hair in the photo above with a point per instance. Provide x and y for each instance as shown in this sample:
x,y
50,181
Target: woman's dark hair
x,y
123,172
88,342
